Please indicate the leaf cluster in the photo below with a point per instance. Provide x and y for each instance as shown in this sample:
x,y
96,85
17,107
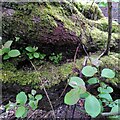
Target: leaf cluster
x,y
55,58
32,53
7,52
24,103
93,105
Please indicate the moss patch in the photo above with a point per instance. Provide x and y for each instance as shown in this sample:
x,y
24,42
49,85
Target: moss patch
x,y
51,74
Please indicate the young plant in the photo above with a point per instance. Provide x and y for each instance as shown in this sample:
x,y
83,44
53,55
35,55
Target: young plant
x,y
32,53
6,51
93,105
21,106
55,58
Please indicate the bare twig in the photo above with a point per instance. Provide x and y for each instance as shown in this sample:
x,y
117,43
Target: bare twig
x,y
73,111
76,54
44,91
63,91
110,114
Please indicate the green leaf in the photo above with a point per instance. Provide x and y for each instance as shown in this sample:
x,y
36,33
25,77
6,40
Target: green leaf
x,y
92,106
8,44
30,55
115,109
108,73
106,96
38,97
33,104
33,92
21,98
72,97
5,50
14,53
117,102
5,57
25,113
84,95
36,55
35,48
105,90
20,111
30,97
89,71
76,82
93,81
29,49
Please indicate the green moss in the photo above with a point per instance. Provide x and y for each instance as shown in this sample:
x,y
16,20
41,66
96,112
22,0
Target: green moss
x,y
51,75
100,38
93,12
48,73
102,24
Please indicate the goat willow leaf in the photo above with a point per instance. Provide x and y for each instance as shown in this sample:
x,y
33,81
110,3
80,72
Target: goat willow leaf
x,y
21,98
20,111
89,71
8,44
14,53
108,73
72,97
76,82
92,106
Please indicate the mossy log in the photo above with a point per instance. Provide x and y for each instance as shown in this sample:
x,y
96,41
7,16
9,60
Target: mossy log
x,y
58,24
51,74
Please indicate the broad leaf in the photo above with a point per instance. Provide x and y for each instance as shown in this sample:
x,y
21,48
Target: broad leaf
x,y
36,55
33,104
115,109
30,97
14,53
84,95
20,111
33,92
5,57
105,90
106,96
93,81
89,71
21,98
72,97
29,49
8,44
92,106
76,82
35,48
108,73
38,97
5,50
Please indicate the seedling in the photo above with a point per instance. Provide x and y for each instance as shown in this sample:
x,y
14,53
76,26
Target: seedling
x,y
93,105
6,51
21,106
32,53
55,58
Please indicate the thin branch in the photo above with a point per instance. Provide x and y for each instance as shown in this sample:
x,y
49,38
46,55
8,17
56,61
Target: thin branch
x,y
73,111
44,90
76,54
110,114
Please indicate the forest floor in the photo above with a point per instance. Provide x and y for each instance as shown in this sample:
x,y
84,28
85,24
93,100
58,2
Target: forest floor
x,y
61,110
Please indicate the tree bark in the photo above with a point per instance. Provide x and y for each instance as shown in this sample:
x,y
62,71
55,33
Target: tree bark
x,y
109,26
